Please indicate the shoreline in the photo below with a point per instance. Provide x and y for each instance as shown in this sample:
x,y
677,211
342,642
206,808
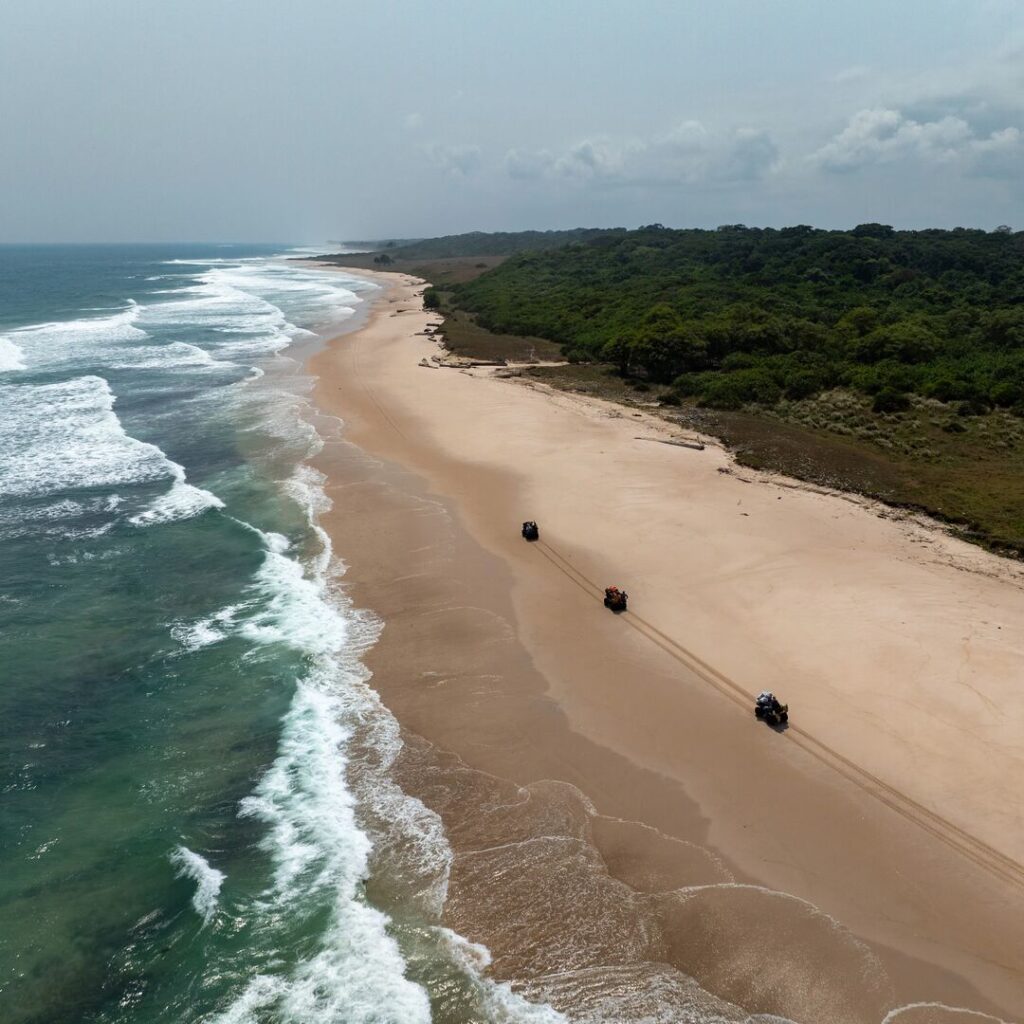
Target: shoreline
x,y
498,654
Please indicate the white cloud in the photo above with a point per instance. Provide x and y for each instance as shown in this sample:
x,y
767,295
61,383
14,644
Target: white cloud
x,y
690,153
461,160
883,135
524,164
1001,155
856,73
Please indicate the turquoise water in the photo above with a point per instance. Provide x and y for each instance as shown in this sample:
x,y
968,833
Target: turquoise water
x,y
186,826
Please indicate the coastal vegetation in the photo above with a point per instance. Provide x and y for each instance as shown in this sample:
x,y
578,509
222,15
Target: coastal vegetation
x,y
485,243
882,361
747,316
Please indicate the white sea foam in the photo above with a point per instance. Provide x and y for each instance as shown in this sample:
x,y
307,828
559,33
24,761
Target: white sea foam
x,y
319,852
210,630
502,1004
325,813
182,501
969,1016
11,356
161,357
113,341
66,436
71,342
207,878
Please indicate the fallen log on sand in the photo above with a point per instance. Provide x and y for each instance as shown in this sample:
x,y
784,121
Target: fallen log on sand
x,y
696,446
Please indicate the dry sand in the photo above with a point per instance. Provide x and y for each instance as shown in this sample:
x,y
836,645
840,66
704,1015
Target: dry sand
x,y
617,814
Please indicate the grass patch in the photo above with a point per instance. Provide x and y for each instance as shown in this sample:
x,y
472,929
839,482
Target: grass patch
x,y
465,337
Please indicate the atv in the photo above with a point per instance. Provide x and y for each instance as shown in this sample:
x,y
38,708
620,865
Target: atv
x,y
615,599
768,709
530,531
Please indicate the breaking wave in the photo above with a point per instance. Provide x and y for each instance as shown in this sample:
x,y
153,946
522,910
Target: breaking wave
x,y
62,437
208,880
11,356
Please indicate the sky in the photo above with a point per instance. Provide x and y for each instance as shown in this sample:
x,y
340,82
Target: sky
x,y
315,120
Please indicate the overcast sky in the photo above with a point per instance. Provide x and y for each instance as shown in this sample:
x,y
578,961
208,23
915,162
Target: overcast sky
x,y
328,119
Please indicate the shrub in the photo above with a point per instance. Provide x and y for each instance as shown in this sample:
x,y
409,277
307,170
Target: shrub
x,y
690,383
722,393
431,300
802,384
972,407
1006,394
890,400
947,388
732,390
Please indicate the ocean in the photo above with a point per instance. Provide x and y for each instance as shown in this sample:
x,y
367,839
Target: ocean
x,y
196,791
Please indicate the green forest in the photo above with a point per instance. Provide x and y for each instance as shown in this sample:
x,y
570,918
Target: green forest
x,y
482,243
743,316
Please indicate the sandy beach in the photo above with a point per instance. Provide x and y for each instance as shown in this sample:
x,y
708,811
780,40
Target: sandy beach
x,y
620,821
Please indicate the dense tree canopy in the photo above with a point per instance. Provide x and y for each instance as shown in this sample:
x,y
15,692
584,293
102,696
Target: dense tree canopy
x,y
483,243
742,315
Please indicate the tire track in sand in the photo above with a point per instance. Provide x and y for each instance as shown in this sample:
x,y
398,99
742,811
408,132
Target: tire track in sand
x,y
976,850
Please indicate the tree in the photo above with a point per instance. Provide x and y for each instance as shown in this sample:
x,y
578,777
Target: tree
x,y
907,341
873,230
620,352
665,347
863,320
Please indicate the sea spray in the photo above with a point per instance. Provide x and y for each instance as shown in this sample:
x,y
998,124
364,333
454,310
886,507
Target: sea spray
x,y
320,855
207,878
11,356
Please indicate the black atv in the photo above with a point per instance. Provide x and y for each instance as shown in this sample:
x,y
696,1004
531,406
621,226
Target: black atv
x,y
768,709
530,531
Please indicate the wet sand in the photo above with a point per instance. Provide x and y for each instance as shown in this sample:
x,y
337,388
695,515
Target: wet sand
x,y
621,823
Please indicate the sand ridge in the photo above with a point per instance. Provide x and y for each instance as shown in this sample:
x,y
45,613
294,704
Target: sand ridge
x,y
897,647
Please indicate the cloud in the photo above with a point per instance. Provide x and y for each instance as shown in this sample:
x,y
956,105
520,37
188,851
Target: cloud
x,y
883,135
856,73
1001,155
524,165
413,121
690,153
460,161
592,158
751,155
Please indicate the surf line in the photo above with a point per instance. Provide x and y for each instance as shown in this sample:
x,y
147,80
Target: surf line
x,y
969,846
